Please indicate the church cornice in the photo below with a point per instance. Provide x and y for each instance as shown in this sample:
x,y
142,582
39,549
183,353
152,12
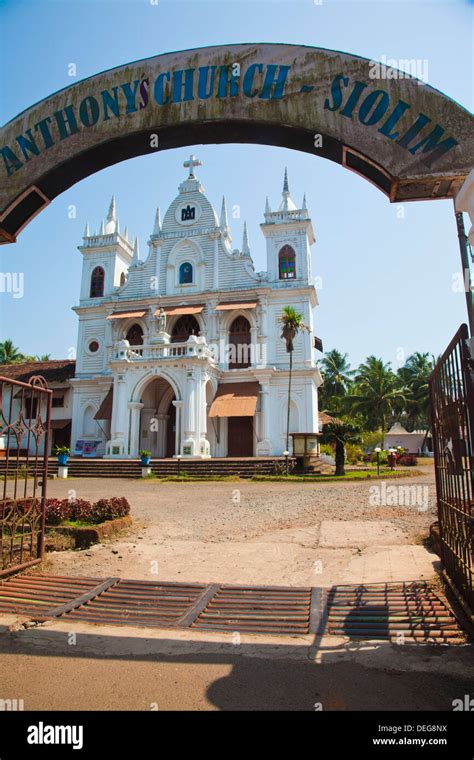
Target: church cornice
x,y
212,232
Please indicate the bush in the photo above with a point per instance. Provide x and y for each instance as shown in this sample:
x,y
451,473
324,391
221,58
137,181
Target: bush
x,y
57,510
326,448
354,453
407,460
110,509
383,457
81,510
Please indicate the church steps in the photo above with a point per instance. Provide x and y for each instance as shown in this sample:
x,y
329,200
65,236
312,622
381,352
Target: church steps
x,y
130,468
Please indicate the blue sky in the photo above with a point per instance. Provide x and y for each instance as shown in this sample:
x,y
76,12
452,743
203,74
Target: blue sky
x,y
386,281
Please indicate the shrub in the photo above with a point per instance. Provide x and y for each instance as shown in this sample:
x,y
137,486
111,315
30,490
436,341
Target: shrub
x,y
407,460
81,510
354,453
110,509
326,448
383,457
57,510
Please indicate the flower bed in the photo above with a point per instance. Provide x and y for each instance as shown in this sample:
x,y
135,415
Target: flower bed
x,y
60,511
83,522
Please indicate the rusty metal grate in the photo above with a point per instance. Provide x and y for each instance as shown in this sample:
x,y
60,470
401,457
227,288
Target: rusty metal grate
x,y
376,611
35,595
257,609
396,612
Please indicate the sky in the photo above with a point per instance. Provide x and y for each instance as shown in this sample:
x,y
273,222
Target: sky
x,y
386,274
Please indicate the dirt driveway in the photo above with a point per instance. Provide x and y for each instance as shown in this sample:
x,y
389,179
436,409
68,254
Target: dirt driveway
x,y
265,532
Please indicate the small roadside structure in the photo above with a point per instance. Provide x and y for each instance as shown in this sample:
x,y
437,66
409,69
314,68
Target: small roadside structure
x,y
416,442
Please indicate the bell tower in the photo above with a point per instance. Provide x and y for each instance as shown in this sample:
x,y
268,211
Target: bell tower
x,y
289,235
107,256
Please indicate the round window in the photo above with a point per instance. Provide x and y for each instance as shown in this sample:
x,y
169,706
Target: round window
x,y
93,346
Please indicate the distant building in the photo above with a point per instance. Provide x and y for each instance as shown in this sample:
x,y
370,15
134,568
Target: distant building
x,y
417,442
58,376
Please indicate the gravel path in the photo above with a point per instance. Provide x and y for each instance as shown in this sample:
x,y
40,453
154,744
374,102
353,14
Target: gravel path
x,y
238,532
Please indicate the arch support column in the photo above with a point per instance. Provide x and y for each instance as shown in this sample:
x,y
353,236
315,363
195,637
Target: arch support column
x,y
135,408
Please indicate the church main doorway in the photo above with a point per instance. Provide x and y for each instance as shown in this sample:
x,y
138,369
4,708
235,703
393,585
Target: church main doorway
x,y
240,437
158,419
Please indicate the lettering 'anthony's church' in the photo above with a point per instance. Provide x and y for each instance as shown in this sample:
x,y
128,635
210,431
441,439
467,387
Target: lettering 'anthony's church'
x,y
181,352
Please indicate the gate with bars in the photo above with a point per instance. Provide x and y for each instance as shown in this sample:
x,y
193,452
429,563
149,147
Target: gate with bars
x,y
25,411
452,414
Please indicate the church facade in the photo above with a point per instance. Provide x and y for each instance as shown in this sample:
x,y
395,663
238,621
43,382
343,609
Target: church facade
x,y
180,353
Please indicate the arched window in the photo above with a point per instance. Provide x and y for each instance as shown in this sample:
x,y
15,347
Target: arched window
x,y
286,263
135,335
185,273
185,326
239,343
97,282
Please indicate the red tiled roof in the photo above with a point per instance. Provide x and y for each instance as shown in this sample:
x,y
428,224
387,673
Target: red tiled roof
x,y
53,371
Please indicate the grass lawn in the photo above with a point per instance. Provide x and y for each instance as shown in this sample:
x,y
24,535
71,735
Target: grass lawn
x,y
350,475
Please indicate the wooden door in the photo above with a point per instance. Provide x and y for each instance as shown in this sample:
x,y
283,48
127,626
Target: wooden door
x,y
240,436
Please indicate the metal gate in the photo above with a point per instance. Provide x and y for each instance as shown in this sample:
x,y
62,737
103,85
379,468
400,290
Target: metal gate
x,y
452,413
25,411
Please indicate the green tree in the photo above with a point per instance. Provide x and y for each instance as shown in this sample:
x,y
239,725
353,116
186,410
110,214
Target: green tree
x,y
340,433
42,358
291,323
10,354
337,376
377,394
414,376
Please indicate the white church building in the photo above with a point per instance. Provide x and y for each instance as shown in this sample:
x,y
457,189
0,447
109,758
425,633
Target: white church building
x,y
180,353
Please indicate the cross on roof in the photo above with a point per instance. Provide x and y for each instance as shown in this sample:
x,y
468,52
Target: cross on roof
x,y
191,163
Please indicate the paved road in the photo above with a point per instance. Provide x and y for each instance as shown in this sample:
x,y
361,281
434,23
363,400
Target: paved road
x,y
129,669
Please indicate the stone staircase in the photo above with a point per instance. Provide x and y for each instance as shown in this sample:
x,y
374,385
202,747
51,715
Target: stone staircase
x,y
131,468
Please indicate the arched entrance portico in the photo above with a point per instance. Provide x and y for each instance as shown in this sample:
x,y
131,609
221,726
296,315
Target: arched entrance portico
x,y
157,428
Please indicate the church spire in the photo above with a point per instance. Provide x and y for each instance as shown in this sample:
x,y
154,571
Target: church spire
x,y
245,242
87,232
157,225
111,215
224,221
267,206
136,258
304,206
287,203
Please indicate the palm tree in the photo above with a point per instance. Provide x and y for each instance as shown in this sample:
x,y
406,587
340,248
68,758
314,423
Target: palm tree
x,y
337,376
341,432
10,354
377,393
42,358
414,375
292,323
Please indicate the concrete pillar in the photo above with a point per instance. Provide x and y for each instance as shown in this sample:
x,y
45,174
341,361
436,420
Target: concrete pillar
x,y
179,425
135,407
264,446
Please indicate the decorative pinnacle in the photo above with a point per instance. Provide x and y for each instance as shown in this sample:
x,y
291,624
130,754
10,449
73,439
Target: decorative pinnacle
x,y
111,214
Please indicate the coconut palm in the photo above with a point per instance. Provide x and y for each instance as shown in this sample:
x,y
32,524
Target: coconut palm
x,y
10,354
341,432
377,393
291,323
414,375
337,379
